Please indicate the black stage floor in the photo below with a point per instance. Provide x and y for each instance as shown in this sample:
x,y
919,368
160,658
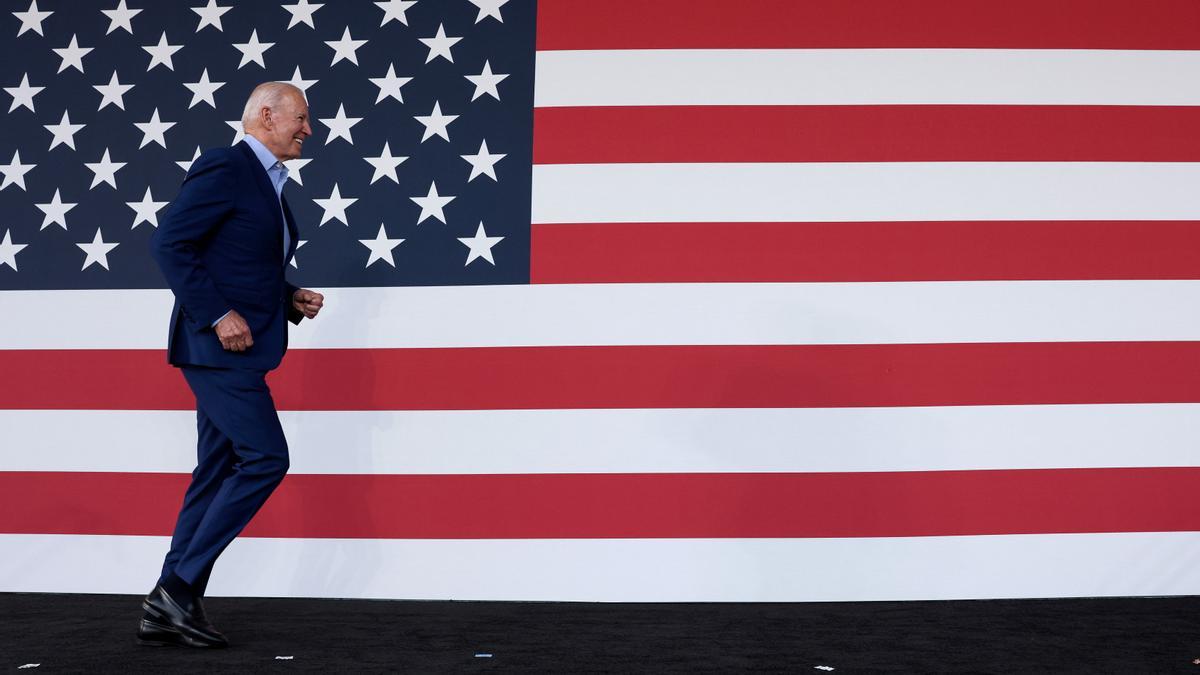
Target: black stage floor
x,y
94,633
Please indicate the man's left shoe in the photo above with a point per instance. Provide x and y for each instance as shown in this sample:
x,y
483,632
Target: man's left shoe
x,y
188,619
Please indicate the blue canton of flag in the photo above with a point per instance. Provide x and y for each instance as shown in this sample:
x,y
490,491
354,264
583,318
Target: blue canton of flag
x,y
418,171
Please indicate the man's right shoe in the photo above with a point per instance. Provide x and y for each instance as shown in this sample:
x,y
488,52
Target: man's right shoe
x,y
154,634
188,620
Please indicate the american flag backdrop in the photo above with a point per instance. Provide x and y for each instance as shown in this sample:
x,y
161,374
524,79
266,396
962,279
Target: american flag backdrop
x,y
661,301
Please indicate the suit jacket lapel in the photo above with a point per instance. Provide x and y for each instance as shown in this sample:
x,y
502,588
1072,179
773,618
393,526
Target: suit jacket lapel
x,y
293,231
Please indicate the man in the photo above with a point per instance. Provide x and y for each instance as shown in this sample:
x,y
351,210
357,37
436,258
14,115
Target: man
x,y
223,247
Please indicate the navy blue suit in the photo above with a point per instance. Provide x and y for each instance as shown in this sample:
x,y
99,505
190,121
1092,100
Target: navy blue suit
x,y
221,248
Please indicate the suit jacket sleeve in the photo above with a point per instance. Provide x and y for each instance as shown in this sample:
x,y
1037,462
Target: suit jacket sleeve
x,y
205,200
289,290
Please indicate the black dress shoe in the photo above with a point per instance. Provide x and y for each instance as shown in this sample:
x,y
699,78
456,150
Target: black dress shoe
x,y
187,620
154,634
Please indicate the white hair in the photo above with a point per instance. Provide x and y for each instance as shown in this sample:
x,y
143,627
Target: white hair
x,y
265,95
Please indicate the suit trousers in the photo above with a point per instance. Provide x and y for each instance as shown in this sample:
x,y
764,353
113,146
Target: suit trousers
x,y
241,456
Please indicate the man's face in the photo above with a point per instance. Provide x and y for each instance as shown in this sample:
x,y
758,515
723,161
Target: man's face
x,y
287,127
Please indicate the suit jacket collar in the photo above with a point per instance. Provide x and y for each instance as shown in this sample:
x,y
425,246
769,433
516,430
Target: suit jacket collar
x,y
264,156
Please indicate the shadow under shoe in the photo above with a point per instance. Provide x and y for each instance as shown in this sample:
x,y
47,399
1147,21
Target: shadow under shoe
x,y
189,623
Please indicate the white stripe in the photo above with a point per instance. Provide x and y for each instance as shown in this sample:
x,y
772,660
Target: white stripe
x,y
115,319
865,192
654,314
632,441
632,570
866,77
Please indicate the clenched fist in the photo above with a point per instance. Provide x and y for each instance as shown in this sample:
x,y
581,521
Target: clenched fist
x,y
234,332
307,302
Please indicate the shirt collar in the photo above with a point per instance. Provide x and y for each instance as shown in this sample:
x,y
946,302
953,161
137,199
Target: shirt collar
x,y
264,155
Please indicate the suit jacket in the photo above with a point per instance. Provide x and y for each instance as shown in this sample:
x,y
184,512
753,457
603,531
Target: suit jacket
x,y
220,247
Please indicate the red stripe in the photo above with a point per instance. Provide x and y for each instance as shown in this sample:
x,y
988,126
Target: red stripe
x,y
882,133
633,505
750,24
752,376
899,251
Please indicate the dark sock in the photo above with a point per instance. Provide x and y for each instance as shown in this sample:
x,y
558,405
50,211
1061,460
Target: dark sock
x,y
180,590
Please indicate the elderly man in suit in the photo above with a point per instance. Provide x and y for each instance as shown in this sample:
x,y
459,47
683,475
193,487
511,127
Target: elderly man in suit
x,y
223,248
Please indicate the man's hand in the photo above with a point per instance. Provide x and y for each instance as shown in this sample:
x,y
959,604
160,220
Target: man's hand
x,y
234,333
307,302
